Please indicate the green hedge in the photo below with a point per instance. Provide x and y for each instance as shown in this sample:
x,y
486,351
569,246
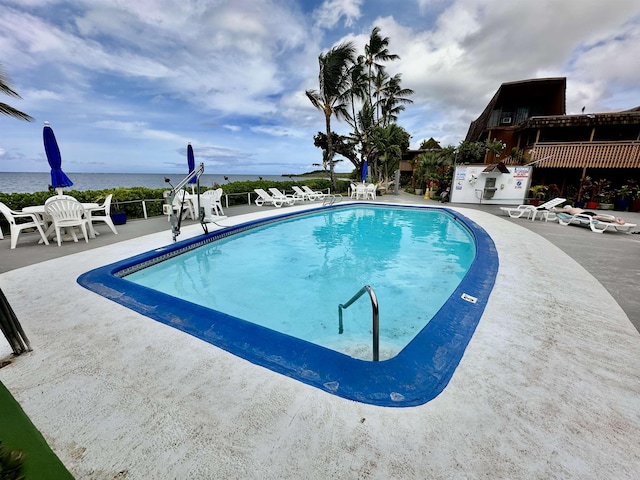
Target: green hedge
x,y
122,196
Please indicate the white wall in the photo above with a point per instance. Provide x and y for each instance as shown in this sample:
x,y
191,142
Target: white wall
x,y
469,185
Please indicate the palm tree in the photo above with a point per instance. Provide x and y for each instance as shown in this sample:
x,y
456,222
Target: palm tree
x,y
6,109
332,97
394,97
376,51
380,81
389,143
364,137
358,90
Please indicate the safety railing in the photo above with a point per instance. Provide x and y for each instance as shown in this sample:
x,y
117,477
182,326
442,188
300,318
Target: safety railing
x,y
246,195
331,199
375,317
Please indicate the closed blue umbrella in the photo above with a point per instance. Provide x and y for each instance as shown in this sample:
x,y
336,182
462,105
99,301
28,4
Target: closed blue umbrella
x,y
365,167
58,178
191,161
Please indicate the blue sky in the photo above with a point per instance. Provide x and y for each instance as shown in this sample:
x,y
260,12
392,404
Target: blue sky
x,y
126,84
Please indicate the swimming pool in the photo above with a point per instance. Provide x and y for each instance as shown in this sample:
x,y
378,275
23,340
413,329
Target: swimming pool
x,y
415,373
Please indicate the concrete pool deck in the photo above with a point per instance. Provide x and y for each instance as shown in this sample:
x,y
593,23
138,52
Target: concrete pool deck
x,y
549,385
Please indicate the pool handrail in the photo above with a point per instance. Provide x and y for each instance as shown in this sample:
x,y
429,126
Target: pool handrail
x,y
331,199
375,317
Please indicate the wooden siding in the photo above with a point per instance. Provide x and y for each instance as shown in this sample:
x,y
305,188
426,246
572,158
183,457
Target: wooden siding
x,y
587,155
406,166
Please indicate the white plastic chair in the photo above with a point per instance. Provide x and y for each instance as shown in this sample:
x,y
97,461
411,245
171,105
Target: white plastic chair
x,y
106,218
370,191
67,213
216,199
16,228
58,197
187,207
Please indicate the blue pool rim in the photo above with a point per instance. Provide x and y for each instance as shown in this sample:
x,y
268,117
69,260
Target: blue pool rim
x,y
415,376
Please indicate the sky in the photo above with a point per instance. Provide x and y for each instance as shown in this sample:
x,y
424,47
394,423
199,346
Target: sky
x,y
126,85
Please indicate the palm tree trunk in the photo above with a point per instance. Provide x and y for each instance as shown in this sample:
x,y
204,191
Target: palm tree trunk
x,y
332,176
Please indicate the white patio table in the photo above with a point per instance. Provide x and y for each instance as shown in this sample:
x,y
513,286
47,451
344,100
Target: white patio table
x,y
40,210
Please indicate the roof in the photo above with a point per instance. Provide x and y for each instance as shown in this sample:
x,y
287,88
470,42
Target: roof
x,y
539,87
500,166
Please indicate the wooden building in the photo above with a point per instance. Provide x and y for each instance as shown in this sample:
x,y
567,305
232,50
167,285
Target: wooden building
x,y
529,117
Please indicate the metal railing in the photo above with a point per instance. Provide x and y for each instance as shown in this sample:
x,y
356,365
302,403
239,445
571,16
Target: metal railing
x,y
226,196
331,199
375,317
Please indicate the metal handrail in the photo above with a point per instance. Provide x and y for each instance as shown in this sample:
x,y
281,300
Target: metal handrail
x,y
375,317
176,221
331,199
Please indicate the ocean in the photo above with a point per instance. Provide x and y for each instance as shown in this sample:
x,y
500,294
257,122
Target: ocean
x,y
15,182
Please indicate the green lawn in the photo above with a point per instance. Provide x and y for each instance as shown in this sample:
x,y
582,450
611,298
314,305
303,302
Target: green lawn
x,y
18,433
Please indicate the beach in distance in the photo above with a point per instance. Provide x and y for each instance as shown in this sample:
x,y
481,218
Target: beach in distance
x,y
16,182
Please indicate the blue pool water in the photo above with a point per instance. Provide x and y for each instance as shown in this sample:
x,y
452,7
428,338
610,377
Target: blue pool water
x,y
299,268
290,276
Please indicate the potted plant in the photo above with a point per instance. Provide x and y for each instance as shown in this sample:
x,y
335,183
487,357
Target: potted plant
x,y
433,186
553,191
538,192
606,199
626,195
571,192
634,206
584,192
118,214
623,198
599,189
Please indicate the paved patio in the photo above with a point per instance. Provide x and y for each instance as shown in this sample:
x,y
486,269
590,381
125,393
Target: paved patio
x,y
548,387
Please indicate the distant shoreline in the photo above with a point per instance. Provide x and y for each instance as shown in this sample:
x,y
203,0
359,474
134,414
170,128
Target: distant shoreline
x,y
32,182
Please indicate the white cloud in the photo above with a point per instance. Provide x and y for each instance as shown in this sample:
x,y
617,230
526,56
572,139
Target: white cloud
x,y
139,130
152,74
331,11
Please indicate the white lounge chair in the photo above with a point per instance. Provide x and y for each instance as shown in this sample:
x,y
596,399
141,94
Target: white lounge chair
x,y
265,199
68,214
319,195
596,225
275,193
531,211
302,195
16,226
103,214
